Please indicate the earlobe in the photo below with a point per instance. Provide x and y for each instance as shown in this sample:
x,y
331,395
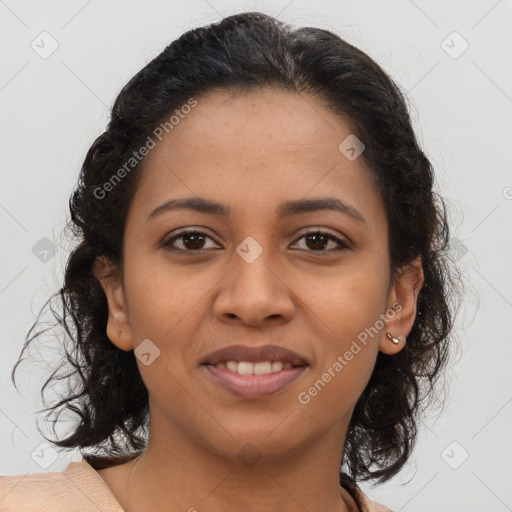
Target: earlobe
x,y
404,292
118,326
118,335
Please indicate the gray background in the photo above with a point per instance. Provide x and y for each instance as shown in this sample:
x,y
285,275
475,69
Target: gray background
x,y
461,103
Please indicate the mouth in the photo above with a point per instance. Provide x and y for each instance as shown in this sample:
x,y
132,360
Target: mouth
x,y
254,372
258,368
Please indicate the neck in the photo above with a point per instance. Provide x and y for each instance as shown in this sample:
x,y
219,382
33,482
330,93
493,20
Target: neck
x,y
176,473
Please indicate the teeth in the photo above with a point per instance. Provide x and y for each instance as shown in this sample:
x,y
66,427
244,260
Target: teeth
x,y
245,368
232,366
277,366
259,368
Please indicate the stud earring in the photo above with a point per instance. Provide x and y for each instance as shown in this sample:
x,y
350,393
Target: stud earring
x,y
396,341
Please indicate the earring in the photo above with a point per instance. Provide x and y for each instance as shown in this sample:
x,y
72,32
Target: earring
x,y
396,341
119,333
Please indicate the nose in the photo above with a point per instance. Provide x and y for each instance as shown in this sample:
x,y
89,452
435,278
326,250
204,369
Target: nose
x,y
254,293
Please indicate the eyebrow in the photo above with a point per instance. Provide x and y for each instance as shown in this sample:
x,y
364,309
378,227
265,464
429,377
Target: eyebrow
x,y
286,209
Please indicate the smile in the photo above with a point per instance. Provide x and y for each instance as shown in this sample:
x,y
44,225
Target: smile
x,y
254,380
259,368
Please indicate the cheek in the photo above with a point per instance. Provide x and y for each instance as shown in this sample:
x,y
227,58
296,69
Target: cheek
x,y
159,298
347,307
346,300
331,396
349,331
166,306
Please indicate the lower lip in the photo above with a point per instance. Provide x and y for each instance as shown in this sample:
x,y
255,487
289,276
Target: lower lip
x,y
254,386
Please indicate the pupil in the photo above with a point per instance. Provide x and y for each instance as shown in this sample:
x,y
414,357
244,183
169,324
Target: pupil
x,y
196,239
316,239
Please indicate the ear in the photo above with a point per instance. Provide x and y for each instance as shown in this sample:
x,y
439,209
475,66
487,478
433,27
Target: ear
x,y
403,294
118,326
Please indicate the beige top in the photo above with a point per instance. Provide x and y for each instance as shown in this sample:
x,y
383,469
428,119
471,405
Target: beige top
x,y
79,488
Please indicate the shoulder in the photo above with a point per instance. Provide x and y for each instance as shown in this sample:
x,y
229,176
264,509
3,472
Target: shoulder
x,y
363,502
78,488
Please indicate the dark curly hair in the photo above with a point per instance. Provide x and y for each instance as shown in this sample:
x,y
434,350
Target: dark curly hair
x,y
245,52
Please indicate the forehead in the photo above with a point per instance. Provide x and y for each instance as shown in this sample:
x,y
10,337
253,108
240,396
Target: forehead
x,y
255,148
277,118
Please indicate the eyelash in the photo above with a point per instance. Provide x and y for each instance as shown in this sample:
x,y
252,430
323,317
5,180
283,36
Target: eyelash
x,y
341,243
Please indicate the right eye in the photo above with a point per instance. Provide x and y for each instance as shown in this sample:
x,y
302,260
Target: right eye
x,y
191,240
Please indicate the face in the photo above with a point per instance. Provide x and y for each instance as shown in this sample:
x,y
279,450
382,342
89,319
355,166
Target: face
x,y
311,280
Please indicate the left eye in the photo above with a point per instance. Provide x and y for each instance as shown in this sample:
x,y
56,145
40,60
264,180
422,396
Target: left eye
x,y
192,241
319,240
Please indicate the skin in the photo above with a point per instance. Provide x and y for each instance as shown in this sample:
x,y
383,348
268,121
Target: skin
x,y
251,152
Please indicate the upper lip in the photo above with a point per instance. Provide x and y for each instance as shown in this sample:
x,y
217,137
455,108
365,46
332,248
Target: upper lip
x,y
254,354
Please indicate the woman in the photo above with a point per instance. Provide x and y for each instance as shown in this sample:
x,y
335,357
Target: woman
x,y
259,296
